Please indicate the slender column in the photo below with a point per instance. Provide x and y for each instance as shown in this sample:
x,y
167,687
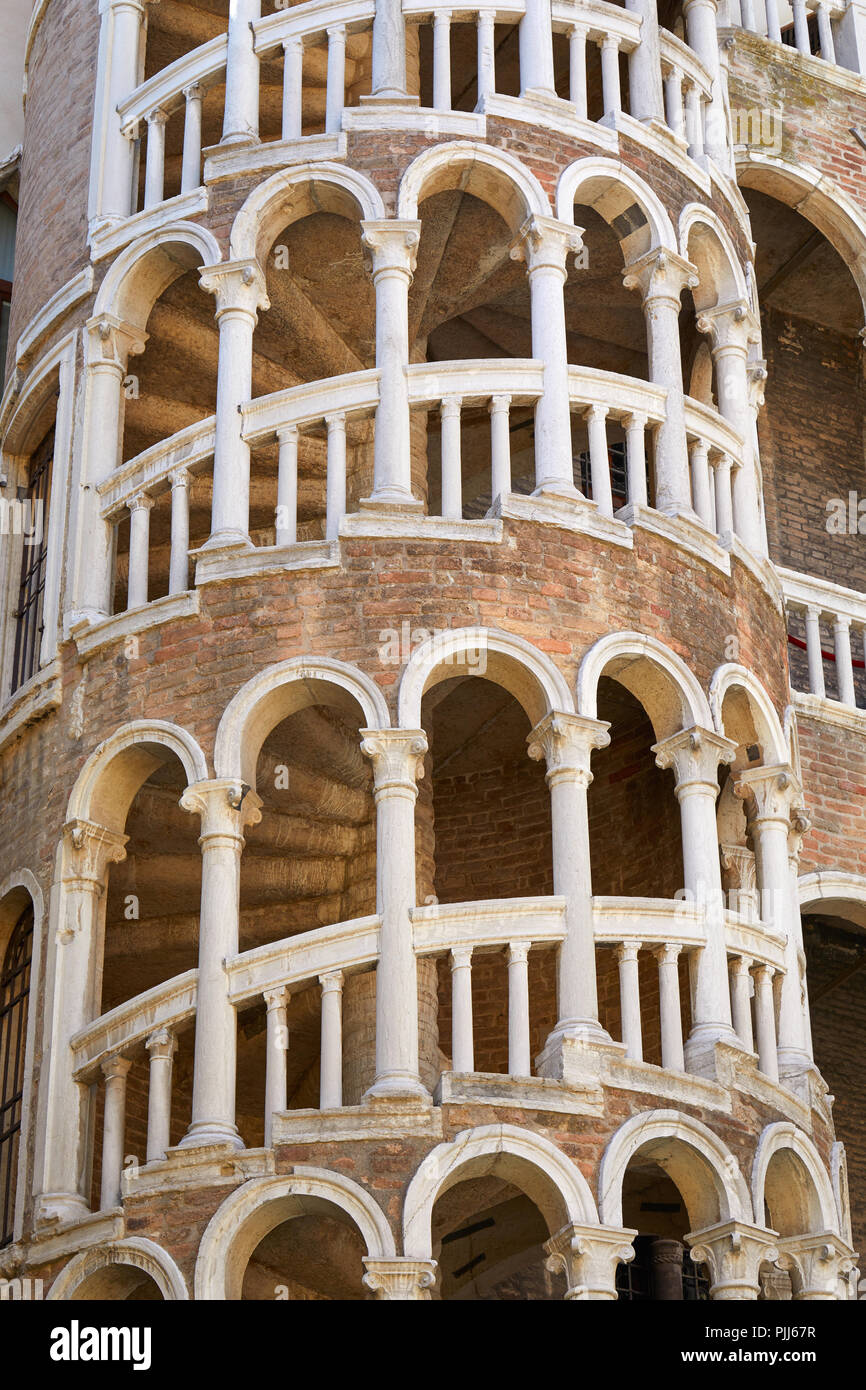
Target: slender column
x,y
241,119
694,122
722,469
287,486
611,95
577,69
825,33
162,1045
389,51
293,80
661,277
731,328
589,1256
544,244
154,173
239,287
800,824
331,1087
462,1041
844,661
139,546
673,1058
774,28
695,754
392,247
702,34
629,997
276,1100
500,447
336,485
113,1128
536,48
178,565
335,98
644,65
635,449
813,651
226,808
765,1022
740,1006
120,49
442,60
566,742
486,58
747,11
674,100
190,176
733,1253
452,479
518,1009
599,462
398,761
700,470
801,28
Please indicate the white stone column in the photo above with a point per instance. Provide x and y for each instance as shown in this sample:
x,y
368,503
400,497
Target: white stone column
x,y
544,244
397,756
178,566
844,662
800,824
644,65
814,651
566,742
599,462
119,73
589,1256
462,1041
500,447
536,49
239,287
392,249
825,32
700,470
286,530
139,550
740,1007
400,1279
610,85
161,1045
486,57
442,60
660,277
765,1022
722,491
673,81
695,754
331,1072
629,997
673,1058
816,1263
801,28
774,28
293,78
276,1002
389,51
154,171
114,1070
335,506
451,459
335,96
225,808
518,1009
577,36
635,437
734,1253
190,177
731,328
702,35
241,118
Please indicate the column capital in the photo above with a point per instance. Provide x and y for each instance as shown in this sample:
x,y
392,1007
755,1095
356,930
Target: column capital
x,y
668,953
115,1068
756,371
461,956
740,877
179,477
158,116
627,951
226,806
238,286
588,1256
90,850
740,965
546,242
391,245
770,793
734,1252
397,756
816,1263
140,503
400,1278
161,1044
660,274
695,754
566,742
518,952
276,998
332,982
110,341
194,91
731,327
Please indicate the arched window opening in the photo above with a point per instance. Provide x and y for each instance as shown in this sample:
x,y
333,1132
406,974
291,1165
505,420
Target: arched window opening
x,y
308,1258
30,511
488,1240
14,1000
662,1269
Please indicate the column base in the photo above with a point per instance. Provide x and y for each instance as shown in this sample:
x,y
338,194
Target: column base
x,y
238,137
211,1132
700,1048
396,1086
399,100
559,490
391,502
574,1057
60,1208
225,540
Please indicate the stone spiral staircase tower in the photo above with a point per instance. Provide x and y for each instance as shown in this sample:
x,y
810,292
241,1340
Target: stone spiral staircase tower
x,y
404,794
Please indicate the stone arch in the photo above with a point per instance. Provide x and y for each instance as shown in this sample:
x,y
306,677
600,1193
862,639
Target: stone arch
x,y
255,1208
19,888
544,1172
291,194
281,690
493,175
512,662
655,675
145,270
800,1191
834,894
115,770
694,1158
612,189
705,241
752,711
134,1252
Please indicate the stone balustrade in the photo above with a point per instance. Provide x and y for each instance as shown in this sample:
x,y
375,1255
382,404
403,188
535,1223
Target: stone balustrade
x,y
827,627
822,29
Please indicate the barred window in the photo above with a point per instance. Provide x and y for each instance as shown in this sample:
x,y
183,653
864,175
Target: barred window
x,y
14,995
31,515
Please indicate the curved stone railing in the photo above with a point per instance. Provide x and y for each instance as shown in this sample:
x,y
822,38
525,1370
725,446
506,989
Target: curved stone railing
x,y
688,93
816,607
832,30
715,452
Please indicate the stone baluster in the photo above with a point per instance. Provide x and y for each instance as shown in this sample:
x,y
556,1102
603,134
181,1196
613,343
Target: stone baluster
x,y
610,84
331,1086
462,1041
844,661
694,121
774,28
276,1100
599,461
154,173
577,36
287,486
723,492
115,1071
673,1058
442,60
161,1045
190,177
741,1008
825,32
293,83
674,100
178,565
518,1009
635,448
700,471
335,98
500,447
486,59
814,653
335,508
629,996
801,28
452,480
139,550
765,1022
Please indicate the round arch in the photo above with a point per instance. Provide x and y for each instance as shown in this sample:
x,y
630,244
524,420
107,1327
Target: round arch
x,y
655,675
144,270
694,1158
800,1192
612,190
493,175
117,767
295,193
834,894
281,690
134,1252
257,1207
544,1172
752,706
512,662
704,240
19,889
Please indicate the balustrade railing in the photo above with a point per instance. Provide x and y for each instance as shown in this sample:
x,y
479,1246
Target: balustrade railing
x,y
826,638
715,452
610,410
814,28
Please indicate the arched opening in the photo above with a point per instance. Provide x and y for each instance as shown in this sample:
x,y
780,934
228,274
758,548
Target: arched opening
x,y
118,1283
314,1254
16,955
662,1270
488,1241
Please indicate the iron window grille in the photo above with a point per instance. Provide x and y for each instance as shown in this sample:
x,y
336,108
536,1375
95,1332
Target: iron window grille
x,y
14,995
29,623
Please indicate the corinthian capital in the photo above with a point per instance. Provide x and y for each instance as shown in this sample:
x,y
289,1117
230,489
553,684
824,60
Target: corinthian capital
x,y
90,849
545,241
236,285
695,754
226,806
112,341
731,326
566,742
660,274
770,793
397,756
391,244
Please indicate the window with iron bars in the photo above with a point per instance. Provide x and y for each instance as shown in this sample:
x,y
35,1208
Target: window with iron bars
x,y
14,997
34,498
618,474
634,1281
